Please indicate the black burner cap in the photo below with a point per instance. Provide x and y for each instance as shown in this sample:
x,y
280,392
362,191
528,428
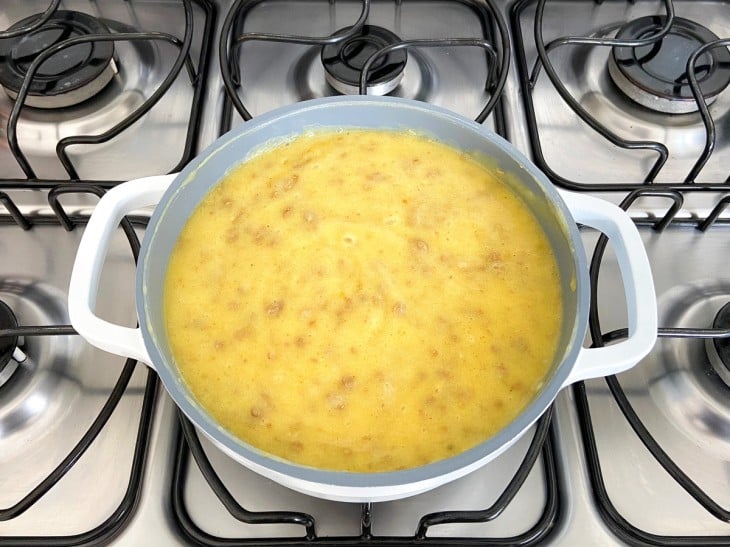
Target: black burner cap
x,y
656,75
7,343
67,70
722,345
343,62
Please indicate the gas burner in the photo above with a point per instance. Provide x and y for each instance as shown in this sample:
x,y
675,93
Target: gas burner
x,y
718,349
8,344
343,62
655,75
681,380
68,77
40,384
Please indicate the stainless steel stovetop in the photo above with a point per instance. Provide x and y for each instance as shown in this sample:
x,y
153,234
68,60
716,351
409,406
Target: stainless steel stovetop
x,y
588,476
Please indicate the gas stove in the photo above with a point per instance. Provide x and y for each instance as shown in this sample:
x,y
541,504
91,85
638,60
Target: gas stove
x,y
93,451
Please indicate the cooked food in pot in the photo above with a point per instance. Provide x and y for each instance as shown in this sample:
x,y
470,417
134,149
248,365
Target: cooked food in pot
x,y
363,301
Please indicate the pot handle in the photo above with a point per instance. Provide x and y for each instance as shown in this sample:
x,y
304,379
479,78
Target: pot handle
x,y
638,284
90,257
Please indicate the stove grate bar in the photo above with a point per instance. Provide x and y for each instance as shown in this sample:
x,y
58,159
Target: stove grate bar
x,y
485,515
231,39
542,444
715,214
528,79
231,505
78,450
660,455
228,46
704,111
619,525
107,530
19,218
45,16
110,527
196,76
183,58
453,42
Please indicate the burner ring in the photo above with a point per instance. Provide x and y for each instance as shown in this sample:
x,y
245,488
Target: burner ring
x,y
718,349
67,77
7,343
343,62
655,75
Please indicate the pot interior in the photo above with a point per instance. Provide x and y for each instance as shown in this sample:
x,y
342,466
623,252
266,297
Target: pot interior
x,y
211,166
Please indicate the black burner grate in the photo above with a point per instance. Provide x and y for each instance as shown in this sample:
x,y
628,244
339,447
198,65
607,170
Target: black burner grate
x,y
541,446
619,525
32,77
11,214
692,82
494,42
102,533
531,14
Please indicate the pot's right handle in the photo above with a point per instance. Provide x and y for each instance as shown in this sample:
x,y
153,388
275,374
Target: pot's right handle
x,y
90,256
638,284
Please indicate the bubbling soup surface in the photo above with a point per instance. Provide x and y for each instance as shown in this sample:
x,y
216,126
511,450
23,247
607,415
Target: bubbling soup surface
x,y
363,301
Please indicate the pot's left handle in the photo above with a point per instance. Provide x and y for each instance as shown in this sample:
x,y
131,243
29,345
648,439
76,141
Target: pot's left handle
x,y
90,257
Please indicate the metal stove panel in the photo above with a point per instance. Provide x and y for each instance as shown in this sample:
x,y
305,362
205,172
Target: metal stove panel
x,y
142,66
51,400
276,74
576,152
397,518
674,390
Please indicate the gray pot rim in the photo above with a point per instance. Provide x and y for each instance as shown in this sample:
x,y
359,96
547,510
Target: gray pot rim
x,y
184,400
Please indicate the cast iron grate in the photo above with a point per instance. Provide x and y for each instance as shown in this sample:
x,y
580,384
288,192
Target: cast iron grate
x,y
196,71
529,75
619,525
494,41
541,445
673,192
102,533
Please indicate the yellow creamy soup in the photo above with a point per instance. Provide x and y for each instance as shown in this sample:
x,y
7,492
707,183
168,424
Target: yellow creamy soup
x,y
363,301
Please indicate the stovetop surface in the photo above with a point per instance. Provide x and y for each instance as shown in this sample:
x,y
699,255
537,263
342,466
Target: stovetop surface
x,y
143,67
56,394
678,396
582,68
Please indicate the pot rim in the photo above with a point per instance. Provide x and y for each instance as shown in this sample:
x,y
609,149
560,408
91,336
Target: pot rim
x,y
453,466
